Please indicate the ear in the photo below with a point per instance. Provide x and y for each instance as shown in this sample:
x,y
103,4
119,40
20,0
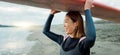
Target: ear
x,y
76,23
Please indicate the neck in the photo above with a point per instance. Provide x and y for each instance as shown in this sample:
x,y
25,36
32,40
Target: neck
x,y
72,36
78,35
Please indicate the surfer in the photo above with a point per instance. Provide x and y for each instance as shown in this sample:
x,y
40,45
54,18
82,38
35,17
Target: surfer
x,y
77,42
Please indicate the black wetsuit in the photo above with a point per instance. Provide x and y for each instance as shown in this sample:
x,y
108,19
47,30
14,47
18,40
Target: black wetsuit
x,y
72,46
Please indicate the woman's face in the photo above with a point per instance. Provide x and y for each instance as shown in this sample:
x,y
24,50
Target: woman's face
x,y
69,25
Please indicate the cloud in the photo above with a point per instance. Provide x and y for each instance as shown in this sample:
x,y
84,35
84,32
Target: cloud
x,y
113,3
11,9
38,10
12,12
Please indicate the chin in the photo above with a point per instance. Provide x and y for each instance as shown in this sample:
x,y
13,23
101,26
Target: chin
x,y
67,33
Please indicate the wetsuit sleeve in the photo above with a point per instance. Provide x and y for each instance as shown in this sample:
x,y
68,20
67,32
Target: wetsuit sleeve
x,y
89,41
55,37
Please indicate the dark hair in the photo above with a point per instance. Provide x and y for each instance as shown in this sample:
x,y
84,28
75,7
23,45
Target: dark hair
x,y
75,16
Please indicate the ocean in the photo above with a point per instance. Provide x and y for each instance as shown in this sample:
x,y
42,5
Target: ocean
x,y
13,41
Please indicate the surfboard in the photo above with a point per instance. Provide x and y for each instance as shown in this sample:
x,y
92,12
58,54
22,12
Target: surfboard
x,y
100,10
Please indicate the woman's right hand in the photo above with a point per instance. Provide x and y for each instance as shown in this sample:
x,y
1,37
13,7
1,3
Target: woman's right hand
x,y
88,4
54,11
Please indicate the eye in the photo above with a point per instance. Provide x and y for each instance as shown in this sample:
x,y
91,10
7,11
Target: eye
x,y
65,21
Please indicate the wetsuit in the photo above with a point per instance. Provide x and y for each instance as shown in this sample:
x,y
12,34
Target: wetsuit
x,y
73,46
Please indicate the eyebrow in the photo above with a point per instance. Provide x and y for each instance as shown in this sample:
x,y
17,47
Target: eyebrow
x,y
66,19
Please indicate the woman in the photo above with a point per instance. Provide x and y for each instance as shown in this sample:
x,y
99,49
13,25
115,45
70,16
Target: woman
x,y
77,42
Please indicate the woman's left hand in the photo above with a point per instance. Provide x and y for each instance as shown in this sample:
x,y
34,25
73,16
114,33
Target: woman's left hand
x,y
88,4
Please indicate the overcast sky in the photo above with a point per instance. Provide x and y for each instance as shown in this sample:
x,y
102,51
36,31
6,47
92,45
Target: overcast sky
x,y
13,13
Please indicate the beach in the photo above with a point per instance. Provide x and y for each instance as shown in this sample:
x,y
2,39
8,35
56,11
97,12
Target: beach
x,y
27,39
107,41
